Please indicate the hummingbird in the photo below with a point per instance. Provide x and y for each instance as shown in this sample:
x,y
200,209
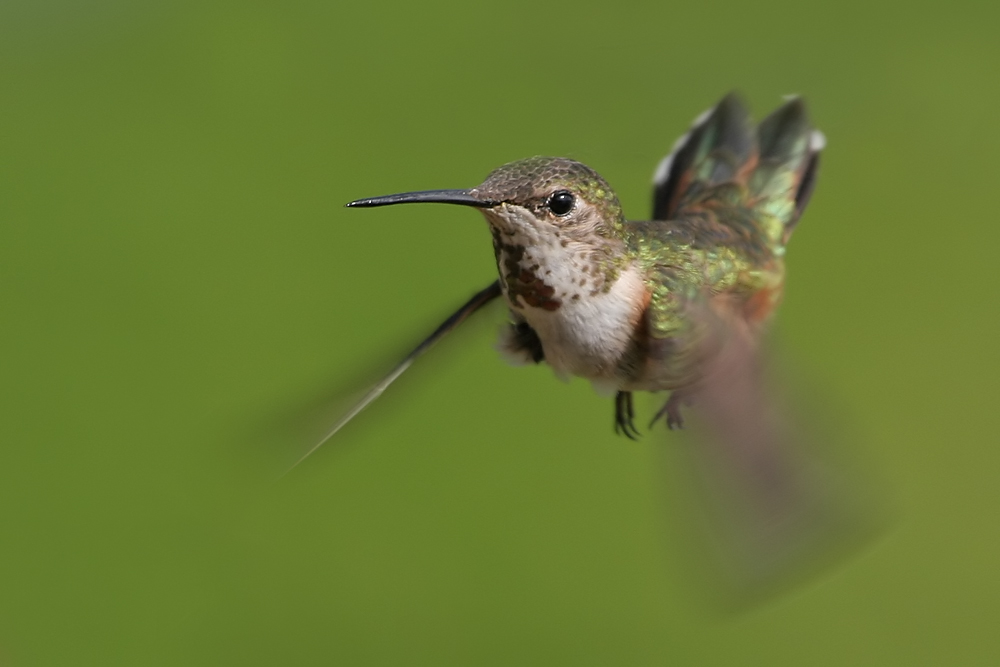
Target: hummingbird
x,y
667,304
678,303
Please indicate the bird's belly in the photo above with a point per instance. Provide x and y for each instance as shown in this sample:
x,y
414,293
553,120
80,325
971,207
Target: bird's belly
x,y
587,335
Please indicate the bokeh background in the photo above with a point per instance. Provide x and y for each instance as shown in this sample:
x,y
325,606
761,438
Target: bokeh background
x,y
179,281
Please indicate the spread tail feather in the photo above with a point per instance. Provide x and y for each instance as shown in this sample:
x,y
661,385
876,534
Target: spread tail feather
x,y
718,144
777,163
789,159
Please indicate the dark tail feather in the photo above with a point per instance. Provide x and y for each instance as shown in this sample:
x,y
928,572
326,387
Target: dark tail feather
x,y
789,161
714,151
778,163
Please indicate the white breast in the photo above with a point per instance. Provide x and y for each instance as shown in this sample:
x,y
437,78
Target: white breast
x,y
590,330
588,336
552,277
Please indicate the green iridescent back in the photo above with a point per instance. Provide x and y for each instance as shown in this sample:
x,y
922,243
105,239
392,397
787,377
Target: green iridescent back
x,y
727,200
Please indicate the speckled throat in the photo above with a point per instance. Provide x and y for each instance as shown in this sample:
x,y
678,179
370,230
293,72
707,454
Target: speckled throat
x,y
533,275
577,290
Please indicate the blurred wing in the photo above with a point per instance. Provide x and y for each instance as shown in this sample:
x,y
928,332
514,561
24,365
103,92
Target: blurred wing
x,y
472,305
778,500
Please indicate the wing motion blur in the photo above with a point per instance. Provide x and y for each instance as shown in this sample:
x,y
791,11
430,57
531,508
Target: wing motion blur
x,y
775,497
479,300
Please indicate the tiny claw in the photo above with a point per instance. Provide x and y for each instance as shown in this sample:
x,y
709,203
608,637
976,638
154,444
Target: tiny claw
x,y
625,415
671,410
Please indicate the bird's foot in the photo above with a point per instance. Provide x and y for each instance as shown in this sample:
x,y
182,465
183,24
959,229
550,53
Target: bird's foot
x,y
671,411
624,415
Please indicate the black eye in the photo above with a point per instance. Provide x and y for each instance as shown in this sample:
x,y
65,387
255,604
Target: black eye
x,y
561,202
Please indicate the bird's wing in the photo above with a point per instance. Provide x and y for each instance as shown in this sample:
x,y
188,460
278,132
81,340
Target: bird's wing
x,y
780,497
479,300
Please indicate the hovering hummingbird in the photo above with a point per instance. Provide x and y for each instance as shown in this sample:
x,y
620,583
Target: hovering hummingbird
x,y
679,303
656,305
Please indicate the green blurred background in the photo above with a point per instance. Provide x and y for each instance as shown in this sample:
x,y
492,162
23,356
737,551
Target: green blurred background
x,y
178,279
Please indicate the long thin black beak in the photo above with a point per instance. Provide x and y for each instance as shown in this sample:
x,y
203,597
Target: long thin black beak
x,y
426,196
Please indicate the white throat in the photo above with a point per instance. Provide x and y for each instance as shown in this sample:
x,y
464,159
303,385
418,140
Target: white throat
x,y
554,281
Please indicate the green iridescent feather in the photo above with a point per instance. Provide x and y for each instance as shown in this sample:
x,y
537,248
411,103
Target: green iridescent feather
x,y
732,196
